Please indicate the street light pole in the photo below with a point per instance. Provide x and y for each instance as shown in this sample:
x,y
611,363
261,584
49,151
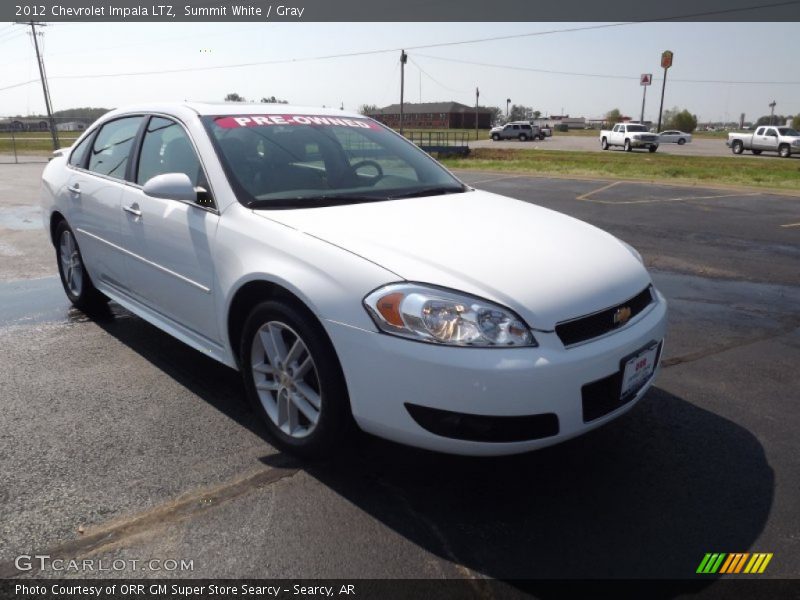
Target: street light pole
x,y
771,110
508,101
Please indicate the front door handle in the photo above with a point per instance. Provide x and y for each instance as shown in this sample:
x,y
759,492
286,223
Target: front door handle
x,y
133,209
75,189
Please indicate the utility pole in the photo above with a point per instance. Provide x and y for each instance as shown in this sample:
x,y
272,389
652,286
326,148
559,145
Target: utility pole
x,y
508,101
403,60
477,95
45,89
771,110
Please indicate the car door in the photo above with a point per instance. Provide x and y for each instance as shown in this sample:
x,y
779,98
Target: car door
x,y
95,185
169,241
668,137
508,131
770,139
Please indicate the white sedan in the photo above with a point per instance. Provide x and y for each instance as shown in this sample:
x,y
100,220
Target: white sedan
x,y
351,279
674,137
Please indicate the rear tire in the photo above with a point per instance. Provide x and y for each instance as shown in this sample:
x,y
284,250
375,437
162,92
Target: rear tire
x,y
604,144
523,137
652,149
74,278
737,147
784,151
294,381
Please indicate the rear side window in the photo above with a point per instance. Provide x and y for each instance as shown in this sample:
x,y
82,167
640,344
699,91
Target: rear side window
x,y
77,156
112,147
166,149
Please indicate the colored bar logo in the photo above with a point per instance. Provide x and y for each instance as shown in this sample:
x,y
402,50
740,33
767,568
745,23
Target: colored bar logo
x,y
734,563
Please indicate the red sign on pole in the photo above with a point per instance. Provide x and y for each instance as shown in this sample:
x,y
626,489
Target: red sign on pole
x,y
666,59
646,79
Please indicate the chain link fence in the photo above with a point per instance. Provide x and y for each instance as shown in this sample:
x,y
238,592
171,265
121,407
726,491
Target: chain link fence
x,y
30,139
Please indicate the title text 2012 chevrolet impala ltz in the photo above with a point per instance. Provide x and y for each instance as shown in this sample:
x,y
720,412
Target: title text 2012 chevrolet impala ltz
x,y
352,279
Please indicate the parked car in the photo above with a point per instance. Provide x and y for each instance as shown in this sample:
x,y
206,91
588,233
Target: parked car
x,y
674,137
783,140
521,130
629,136
351,279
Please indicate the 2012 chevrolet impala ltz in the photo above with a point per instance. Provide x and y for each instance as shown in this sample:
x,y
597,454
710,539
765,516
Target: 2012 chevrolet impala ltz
x,y
352,279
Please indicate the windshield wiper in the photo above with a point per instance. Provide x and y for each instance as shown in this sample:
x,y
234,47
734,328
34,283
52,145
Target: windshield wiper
x,y
312,202
429,191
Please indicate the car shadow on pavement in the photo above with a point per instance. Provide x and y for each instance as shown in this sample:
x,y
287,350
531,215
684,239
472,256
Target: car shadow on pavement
x,y
646,496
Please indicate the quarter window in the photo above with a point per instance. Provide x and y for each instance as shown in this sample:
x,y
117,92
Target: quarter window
x,y
112,147
77,156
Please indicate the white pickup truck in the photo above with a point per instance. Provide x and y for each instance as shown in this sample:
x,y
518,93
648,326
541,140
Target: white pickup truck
x,y
783,140
629,136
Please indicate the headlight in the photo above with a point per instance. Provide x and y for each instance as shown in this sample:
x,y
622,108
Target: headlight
x,y
437,316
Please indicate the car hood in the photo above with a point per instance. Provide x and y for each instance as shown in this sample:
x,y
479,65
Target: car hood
x,y
546,266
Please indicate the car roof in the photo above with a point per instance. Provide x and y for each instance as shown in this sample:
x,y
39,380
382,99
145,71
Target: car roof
x,y
187,108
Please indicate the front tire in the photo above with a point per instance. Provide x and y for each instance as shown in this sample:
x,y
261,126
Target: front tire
x,y
681,142
293,379
784,151
496,137
604,144
737,147
523,137
76,281
628,146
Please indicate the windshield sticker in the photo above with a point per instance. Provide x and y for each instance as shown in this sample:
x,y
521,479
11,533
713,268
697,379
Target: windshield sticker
x,y
261,120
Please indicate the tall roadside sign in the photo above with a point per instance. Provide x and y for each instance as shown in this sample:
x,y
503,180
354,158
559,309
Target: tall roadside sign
x,y
666,63
645,80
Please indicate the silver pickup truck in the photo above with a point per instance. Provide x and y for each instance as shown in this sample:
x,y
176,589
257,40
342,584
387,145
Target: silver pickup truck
x,y
783,140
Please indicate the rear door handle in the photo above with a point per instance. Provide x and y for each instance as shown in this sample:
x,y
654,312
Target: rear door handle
x,y
75,189
133,209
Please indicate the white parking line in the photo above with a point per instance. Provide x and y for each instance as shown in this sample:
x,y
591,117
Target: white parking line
x,y
503,178
791,225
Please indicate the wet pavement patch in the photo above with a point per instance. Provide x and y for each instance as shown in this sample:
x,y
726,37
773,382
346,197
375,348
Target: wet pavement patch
x,y
21,218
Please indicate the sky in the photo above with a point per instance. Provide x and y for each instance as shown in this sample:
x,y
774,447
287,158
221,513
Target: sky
x,y
600,67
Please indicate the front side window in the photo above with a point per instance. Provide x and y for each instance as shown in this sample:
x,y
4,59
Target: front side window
x,y
760,131
166,149
112,147
279,161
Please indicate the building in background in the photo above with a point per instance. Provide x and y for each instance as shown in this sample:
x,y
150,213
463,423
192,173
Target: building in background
x,y
433,115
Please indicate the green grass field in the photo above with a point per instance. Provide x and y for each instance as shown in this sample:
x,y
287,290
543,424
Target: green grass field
x,y
765,172
34,142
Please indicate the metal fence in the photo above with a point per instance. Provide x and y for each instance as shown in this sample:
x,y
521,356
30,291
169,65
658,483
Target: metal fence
x,y
30,139
441,142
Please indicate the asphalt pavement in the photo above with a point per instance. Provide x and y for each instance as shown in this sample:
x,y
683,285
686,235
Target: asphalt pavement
x,y
118,442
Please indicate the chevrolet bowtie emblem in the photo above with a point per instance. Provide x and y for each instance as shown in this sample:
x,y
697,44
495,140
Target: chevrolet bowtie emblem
x,y
621,315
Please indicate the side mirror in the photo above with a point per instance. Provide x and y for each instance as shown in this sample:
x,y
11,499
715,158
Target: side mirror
x,y
171,186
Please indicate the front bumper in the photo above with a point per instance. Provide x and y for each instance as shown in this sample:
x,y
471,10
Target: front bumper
x,y
385,374
644,143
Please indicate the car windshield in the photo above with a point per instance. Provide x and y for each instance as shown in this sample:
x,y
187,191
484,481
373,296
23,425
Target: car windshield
x,y
788,131
637,128
298,161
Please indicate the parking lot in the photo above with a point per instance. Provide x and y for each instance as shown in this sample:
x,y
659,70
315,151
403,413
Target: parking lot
x,y
119,442
581,143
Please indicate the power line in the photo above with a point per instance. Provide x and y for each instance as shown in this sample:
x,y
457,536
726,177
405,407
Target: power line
x,y
439,83
601,75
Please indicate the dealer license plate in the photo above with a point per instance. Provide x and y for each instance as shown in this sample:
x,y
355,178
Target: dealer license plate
x,y
638,369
